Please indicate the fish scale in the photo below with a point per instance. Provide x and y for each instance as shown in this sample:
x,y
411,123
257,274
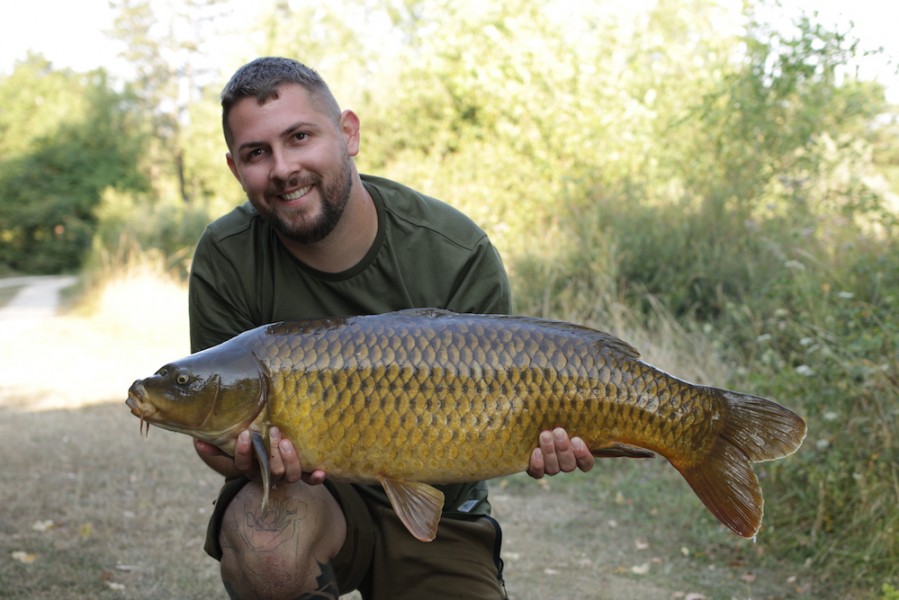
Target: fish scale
x,y
415,398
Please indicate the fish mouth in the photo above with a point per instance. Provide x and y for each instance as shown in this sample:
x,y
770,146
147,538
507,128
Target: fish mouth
x,y
139,407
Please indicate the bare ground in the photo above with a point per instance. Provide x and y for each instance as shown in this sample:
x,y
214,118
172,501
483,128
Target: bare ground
x,y
93,510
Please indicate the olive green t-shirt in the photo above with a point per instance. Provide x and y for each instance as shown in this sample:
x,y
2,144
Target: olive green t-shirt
x,y
426,255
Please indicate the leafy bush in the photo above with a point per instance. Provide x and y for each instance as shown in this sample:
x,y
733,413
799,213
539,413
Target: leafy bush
x,y
131,226
831,349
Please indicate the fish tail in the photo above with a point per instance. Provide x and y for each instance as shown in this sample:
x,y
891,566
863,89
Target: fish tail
x,y
755,429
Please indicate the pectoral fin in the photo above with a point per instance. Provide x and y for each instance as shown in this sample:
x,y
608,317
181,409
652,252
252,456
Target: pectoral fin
x,y
261,453
418,505
618,450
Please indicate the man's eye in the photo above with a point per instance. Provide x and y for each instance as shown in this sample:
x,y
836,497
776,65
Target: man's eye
x,y
300,136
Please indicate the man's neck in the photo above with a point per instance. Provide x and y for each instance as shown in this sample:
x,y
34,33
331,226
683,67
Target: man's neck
x,y
349,242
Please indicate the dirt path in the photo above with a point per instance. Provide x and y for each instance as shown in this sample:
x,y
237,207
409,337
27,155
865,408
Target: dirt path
x,y
38,299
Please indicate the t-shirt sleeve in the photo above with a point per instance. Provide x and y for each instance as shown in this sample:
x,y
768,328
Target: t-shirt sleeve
x,y
482,286
216,300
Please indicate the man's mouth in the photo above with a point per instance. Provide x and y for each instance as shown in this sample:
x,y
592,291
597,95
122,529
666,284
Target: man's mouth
x,y
296,194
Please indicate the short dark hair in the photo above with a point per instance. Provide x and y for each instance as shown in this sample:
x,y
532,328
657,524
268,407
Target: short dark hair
x,y
261,78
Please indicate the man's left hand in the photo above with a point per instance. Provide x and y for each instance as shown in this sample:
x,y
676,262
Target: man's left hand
x,y
557,453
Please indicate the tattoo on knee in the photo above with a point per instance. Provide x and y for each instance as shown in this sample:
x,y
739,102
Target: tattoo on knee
x,y
278,516
266,531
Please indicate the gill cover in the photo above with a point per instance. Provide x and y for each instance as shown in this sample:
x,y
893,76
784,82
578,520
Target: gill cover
x,y
211,395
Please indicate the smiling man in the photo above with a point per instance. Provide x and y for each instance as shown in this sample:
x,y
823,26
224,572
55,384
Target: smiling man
x,y
318,239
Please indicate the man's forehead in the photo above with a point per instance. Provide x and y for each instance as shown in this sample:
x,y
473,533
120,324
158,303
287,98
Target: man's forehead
x,y
293,92
289,103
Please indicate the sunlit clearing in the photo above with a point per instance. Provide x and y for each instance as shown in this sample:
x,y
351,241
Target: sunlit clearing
x,y
138,322
144,303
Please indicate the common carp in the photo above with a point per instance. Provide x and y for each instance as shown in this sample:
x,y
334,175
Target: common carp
x,y
426,396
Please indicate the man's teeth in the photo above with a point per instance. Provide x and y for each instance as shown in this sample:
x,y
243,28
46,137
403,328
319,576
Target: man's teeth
x,y
297,194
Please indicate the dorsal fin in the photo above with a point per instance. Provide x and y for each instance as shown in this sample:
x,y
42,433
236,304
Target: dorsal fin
x,y
601,338
607,340
431,313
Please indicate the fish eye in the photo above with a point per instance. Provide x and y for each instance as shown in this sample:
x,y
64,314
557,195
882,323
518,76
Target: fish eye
x,y
182,378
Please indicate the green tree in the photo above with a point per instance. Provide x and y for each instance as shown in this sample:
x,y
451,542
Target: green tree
x,y
34,101
49,187
164,44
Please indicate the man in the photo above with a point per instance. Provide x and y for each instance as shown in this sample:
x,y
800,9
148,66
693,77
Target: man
x,y
319,239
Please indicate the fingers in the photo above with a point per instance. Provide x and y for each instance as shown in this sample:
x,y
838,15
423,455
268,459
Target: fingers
x,y
316,477
583,457
565,460
557,453
244,461
536,467
293,471
207,449
555,448
283,461
275,460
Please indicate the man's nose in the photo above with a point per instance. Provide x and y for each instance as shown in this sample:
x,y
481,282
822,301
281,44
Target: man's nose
x,y
283,167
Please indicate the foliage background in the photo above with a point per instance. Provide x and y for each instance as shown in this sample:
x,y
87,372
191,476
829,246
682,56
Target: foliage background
x,y
685,163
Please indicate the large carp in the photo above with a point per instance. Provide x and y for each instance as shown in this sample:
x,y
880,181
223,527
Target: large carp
x,y
420,397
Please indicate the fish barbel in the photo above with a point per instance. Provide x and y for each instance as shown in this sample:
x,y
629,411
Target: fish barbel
x,y
420,397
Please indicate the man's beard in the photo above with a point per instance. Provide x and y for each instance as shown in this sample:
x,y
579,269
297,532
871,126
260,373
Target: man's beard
x,y
334,199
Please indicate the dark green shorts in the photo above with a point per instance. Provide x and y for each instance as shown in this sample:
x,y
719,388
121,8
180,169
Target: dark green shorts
x,y
383,561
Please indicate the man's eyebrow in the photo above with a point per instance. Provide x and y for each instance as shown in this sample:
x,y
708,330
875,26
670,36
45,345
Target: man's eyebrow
x,y
286,133
300,125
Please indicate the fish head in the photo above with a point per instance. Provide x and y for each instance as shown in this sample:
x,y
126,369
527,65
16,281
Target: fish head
x,y
212,395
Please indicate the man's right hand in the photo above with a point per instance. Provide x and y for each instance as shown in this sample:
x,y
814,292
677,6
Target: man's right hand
x,y
284,464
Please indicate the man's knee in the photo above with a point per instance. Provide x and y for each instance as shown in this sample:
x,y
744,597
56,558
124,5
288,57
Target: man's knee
x,y
282,551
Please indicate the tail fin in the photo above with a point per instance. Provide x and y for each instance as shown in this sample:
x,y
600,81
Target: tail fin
x,y
755,429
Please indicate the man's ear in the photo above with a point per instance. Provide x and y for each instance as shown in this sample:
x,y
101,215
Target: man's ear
x,y
349,127
233,166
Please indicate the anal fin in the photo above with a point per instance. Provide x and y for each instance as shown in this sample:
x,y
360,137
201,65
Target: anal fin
x,y
619,450
418,505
